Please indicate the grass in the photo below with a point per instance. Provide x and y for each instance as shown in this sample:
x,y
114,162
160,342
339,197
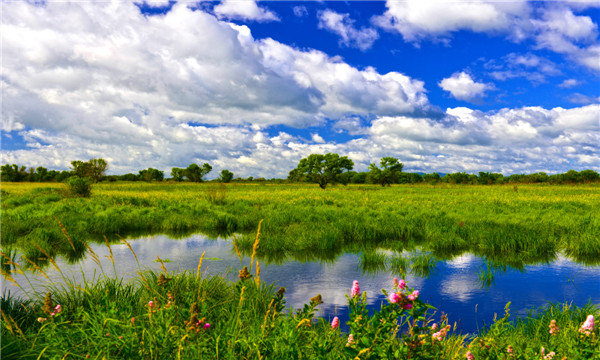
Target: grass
x,y
513,228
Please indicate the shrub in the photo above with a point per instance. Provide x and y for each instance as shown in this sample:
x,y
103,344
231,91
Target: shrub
x,y
80,186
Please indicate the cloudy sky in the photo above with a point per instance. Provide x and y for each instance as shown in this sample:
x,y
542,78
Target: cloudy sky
x,y
502,86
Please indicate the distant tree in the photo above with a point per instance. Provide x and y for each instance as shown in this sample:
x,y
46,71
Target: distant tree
x,y
589,176
41,174
178,174
321,169
225,176
13,173
129,177
150,174
389,173
432,178
95,169
195,173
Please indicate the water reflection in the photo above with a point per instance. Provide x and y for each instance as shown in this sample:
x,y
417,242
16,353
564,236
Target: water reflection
x,y
451,284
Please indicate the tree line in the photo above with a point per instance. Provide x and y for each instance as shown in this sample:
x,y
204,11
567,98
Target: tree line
x,y
321,169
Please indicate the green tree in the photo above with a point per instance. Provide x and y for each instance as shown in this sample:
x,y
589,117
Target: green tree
x,y
225,176
79,186
195,173
321,169
95,169
150,174
13,173
389,173
178,174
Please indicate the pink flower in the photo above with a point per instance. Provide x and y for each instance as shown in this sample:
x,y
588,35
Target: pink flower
x,y
132,320
408,306
58,308
107,334
41,319
207,326
510,349
120,337
414,295
350,340
550,355
438,336
151,303
434,326
394,298
401,284
335,322
355,289
589,323
543,351
470,356
395,282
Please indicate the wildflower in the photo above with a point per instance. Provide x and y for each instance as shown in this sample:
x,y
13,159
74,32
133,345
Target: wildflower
x,y
553,328
58,308
401,284
394,298
588,325
107,334
350,340
408,306
395,282
543,351
550,355
335,322
355,289
244,274
132,321
48,305
414,295
41,319
510,350
434,326
316,300
120,337
206,326
470,356
151,303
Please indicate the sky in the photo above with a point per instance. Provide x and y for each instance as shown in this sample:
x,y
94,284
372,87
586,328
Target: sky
x,y
253,87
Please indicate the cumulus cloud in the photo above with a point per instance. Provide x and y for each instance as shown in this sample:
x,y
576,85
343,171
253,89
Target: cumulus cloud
x,y
569,83
417,20
343,26
553,26
462,87
244,10
300,11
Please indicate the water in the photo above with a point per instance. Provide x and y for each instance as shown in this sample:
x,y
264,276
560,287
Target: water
x,y
453,287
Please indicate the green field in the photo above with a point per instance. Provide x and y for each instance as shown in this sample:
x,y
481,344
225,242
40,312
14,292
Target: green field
x,y
506,224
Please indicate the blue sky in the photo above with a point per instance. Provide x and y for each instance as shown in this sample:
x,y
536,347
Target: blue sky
x,y
253,87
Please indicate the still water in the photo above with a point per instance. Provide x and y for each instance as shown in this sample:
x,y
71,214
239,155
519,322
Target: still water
x,y
453,287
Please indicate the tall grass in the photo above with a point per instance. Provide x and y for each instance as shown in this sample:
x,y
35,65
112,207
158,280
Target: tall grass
x,y
516,228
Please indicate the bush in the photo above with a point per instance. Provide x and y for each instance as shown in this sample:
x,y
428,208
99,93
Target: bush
x,y
80,186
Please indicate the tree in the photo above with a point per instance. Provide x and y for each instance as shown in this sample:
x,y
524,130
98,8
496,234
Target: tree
x,y
195,173
321,169
94,168
178,174
150,174
389,173
41,174
13,172
225,176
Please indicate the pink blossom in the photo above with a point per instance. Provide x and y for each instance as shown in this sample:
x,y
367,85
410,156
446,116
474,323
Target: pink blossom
x,y
58,308
355,289
434,326
414,295
132,320
543,351
207,326
589,323
550,355
151,303
510,349
401,284
350,340
438,336
394,298
470,356
335,322
408,306
41,319
120,337
107,334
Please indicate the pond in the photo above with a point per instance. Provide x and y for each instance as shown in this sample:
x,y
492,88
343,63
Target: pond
x,y
453,286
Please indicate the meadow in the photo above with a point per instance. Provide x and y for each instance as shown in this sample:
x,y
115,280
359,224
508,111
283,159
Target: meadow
x,y
191,314
508,225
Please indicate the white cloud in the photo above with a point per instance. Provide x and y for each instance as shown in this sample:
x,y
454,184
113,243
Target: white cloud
x,y
300,11
245,10
317,138
416,19
569,83
342,25
462,87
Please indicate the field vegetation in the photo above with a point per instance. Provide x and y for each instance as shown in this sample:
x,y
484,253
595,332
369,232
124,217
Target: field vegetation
x,y
507,225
